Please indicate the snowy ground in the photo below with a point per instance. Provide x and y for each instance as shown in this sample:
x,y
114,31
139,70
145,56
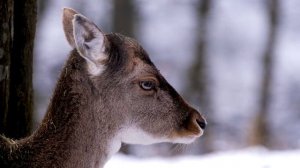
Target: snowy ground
x,y
247,158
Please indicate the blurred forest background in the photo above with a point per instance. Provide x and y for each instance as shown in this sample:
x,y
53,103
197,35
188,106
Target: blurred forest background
x,y
237,61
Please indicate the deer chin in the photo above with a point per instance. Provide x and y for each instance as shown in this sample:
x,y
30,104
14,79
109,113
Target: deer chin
x,y
186,136
185,140
135,135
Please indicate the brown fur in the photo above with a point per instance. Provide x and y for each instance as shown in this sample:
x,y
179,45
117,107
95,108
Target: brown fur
x,y
86,112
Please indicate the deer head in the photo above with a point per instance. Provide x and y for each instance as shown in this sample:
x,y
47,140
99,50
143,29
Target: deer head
x,y
143,106
109,92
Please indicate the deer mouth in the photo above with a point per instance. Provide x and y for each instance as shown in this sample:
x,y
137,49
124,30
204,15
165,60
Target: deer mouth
x,y
187,134
192,127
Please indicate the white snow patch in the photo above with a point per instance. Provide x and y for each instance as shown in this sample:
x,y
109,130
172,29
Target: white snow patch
x,y
247,158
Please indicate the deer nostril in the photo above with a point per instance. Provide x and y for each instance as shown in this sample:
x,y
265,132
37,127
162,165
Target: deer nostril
x,y
202,124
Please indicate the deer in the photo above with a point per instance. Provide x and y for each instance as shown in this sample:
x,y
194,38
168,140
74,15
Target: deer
x,y
108,93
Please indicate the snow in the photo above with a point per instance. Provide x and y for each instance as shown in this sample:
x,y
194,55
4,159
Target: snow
x,y
246,158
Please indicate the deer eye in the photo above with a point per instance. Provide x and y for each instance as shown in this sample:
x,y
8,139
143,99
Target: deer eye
x,y
147,85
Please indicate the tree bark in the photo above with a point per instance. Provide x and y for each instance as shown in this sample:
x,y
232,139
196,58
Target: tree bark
x,y
124,17
198,89
5,54
261,133
20,105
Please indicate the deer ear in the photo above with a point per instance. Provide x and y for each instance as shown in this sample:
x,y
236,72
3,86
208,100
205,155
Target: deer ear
x,y
90,43
68,15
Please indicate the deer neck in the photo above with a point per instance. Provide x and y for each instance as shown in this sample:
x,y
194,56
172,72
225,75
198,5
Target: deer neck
x,y
70,132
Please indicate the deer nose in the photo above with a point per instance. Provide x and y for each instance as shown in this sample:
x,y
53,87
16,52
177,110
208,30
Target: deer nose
x,y
202,124
199,120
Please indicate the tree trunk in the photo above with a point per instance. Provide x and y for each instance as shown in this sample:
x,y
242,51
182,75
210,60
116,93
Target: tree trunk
x,y
123,17
261,130
20,104
198,89
5,54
